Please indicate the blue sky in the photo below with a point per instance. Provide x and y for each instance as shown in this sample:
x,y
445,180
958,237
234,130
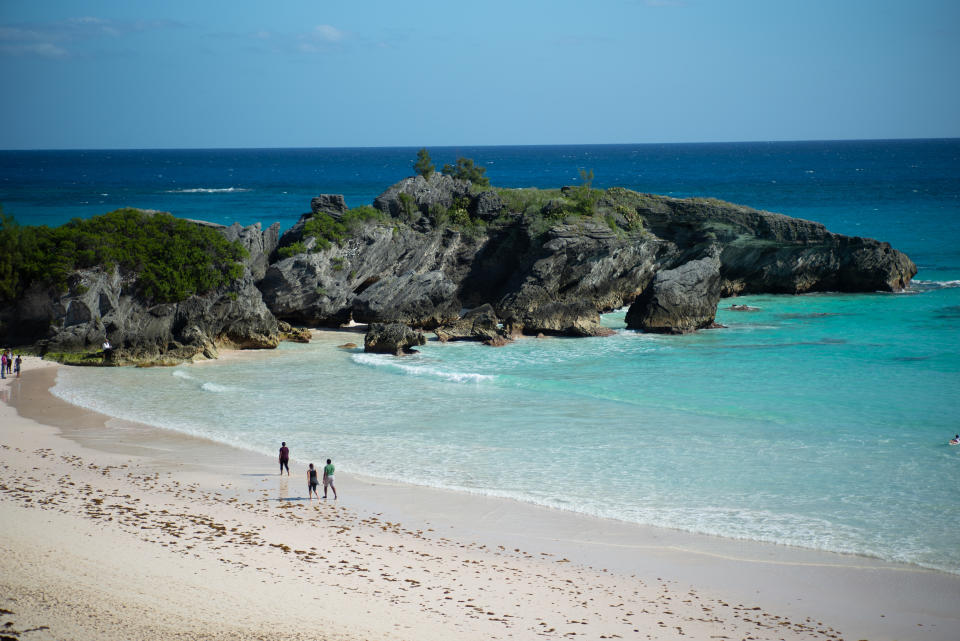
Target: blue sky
x,y
292,73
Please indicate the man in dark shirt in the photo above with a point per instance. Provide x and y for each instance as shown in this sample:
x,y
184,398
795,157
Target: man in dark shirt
x,y
284,458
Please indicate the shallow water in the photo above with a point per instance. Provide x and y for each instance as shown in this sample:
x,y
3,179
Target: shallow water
x,y
819,421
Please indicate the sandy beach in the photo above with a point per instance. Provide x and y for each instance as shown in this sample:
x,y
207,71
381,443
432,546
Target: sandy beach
x,y
115,530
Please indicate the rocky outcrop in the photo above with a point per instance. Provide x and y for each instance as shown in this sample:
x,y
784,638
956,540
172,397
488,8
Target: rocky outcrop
x,y
439,191
332,204
392,338
426,300
478,324
680,300
764,252
103,305
421,274
537,263
259,244
553,273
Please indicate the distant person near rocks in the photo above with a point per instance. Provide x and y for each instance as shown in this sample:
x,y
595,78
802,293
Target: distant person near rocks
x,y
16,365
3,365
328,479
284,458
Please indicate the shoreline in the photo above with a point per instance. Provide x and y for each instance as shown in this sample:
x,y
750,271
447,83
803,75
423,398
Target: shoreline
x,y
818,592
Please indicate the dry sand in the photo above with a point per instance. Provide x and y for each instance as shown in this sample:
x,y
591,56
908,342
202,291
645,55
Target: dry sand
x,y
113,530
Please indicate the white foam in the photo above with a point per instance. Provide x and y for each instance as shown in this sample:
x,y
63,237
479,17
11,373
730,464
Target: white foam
x,y
207,190
215,387
179,373
374,360
930,285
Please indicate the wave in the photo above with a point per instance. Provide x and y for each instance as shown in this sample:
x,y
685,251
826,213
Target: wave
x,y
374,360
215,387
205,386
208,190
933,285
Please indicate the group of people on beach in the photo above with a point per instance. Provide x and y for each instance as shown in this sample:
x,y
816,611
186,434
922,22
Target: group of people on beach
x,y
312,482
9,364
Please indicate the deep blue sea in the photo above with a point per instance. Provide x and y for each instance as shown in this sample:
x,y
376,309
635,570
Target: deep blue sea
x,y
819,421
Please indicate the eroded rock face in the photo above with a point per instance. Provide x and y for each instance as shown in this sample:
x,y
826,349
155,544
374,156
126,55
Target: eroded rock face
x,y
103,305
439,191
392,338
478,324
426,300
558,281
679,300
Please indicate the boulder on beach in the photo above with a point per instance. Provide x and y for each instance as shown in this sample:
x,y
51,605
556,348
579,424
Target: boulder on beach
x,y
392,338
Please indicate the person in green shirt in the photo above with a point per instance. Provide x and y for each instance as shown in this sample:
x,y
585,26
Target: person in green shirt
x,y
328,479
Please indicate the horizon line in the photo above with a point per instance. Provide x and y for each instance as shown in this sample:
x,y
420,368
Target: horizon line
x,y
471,146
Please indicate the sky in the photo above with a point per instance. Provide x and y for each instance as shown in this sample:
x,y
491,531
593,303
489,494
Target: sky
x,y
379,73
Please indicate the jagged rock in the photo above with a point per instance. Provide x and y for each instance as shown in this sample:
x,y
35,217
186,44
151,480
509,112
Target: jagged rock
x,y
486,206
104,305
293,334
332,204
679,300
764,252
440,190
392,338
478,324
348,346
560,280
259,244
322,288
580,271
426,300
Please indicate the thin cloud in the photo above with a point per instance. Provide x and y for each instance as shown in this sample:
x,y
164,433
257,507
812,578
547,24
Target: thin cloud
x,y
327,33
63,38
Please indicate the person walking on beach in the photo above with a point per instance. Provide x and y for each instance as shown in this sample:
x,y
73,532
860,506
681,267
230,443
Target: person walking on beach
x,y
3,365
16,365
328,479
312,482
9,362
284,458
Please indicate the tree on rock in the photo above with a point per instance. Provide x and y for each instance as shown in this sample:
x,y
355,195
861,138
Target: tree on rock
x,y
424,166
466,170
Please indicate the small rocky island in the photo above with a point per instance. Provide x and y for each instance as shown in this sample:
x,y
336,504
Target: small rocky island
x,y
449,255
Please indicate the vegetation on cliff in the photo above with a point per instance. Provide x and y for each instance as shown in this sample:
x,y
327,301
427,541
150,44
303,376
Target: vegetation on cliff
x,y
171,258
327,230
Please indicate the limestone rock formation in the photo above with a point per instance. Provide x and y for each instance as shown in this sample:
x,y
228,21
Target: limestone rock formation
x,y
679,300
392,338
102,305
525,261
439,191
426,300
478,324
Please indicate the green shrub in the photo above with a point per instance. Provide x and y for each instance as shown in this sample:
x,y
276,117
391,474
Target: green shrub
x,y
292,250
337,263
439,215
408,207
171,258
584,195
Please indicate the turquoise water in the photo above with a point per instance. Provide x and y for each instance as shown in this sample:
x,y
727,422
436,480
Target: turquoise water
x,y
820,421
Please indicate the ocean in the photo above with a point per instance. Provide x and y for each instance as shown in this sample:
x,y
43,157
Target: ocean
x,y
819,421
